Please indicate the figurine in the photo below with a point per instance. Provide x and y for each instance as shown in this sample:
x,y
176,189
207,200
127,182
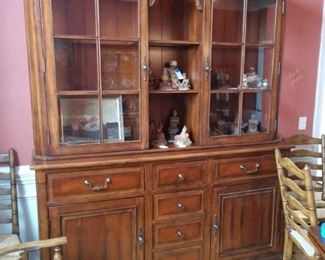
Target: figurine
x,y
152,78
185,84
265,84
183,139
175,74
252,124
251,79
165,79
159,139
173,128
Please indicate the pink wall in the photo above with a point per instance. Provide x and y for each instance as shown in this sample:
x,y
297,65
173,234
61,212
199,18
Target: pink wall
x,y
299,71
299,64
15,109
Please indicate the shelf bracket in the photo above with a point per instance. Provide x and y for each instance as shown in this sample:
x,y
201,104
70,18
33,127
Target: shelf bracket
x,y
198,5
151,2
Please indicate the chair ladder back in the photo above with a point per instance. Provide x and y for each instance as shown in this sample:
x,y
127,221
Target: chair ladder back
x,y
323,166
9,160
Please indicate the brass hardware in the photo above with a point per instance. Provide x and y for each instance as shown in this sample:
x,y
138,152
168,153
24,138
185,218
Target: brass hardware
x,y
99,187
151,2
180,234
180,206
215,225
140,237
244,170
207,68
145,68
181,177
198,5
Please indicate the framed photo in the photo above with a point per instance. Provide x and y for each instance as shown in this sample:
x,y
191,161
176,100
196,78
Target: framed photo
x,y
113,118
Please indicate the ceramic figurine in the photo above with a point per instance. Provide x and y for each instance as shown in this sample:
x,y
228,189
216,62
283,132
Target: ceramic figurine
x,y
185,84
251,79
252,124
183,139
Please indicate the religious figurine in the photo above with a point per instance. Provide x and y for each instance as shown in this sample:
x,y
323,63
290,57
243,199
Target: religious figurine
x,y
173,128
159,139
152,78
252,124
183,139
175,74
165,79
251,79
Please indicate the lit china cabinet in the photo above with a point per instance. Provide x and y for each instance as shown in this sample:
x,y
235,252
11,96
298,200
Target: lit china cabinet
x,y
147,114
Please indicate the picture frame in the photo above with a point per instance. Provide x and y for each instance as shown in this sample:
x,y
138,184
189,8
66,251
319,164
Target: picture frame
x,y
113,118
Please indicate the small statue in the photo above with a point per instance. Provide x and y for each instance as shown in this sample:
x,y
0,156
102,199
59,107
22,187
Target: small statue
x,y
165,79
252,124
185,84
173,128
251,79
175,74
159,139
265,84
152,78
183,139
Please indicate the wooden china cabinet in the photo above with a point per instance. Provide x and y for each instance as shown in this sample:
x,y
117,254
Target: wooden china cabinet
x,y
101,98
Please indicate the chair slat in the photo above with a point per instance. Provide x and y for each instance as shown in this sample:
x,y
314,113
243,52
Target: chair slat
x,y
301,139
5,220
303,153
4,191
4,176
5,206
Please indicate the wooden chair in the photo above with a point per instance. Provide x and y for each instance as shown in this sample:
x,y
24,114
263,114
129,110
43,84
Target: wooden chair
x,y
310,151
10,245
298,206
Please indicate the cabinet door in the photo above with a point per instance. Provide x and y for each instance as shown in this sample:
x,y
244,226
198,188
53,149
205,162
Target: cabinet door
x,y
245,220
242,71
101,230
94,80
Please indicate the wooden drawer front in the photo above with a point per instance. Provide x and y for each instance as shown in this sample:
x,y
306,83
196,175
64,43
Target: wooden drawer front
x,y
189,253
178,204
72,184
178,234
244,167
189,174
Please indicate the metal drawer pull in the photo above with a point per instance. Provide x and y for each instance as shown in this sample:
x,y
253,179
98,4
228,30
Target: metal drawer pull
x,y
98,187
215,225
180,234
181,177
180,206
140,237
244,170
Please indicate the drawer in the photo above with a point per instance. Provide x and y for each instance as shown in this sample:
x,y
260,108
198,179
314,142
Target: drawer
x,y
76,185
174,234
187,253
244,167
186,174
178,204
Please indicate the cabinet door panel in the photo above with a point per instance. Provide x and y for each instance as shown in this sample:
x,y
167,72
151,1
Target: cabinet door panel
x,y
191,253
103,230
246,217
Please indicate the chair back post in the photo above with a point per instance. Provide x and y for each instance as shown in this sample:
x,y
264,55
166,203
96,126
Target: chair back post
x,y
13,188
323,166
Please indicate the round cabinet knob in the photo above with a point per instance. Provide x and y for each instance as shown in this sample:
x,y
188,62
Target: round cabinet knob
x,y
180,234
180,206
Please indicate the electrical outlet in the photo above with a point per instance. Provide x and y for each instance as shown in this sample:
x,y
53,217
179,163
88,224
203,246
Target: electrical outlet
x,y
302,124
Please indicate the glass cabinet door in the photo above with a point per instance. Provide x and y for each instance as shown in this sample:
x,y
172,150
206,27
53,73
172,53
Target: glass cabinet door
x,y
243,55
96,60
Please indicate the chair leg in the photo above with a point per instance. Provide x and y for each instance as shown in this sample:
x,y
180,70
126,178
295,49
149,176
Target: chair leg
x,y
288,245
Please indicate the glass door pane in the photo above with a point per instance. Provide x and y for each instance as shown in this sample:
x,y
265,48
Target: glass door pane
x,y
227,20
120,66
260,21
258,68
119,19
225,66
224,114
256,112
76,65
73,17
79,120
